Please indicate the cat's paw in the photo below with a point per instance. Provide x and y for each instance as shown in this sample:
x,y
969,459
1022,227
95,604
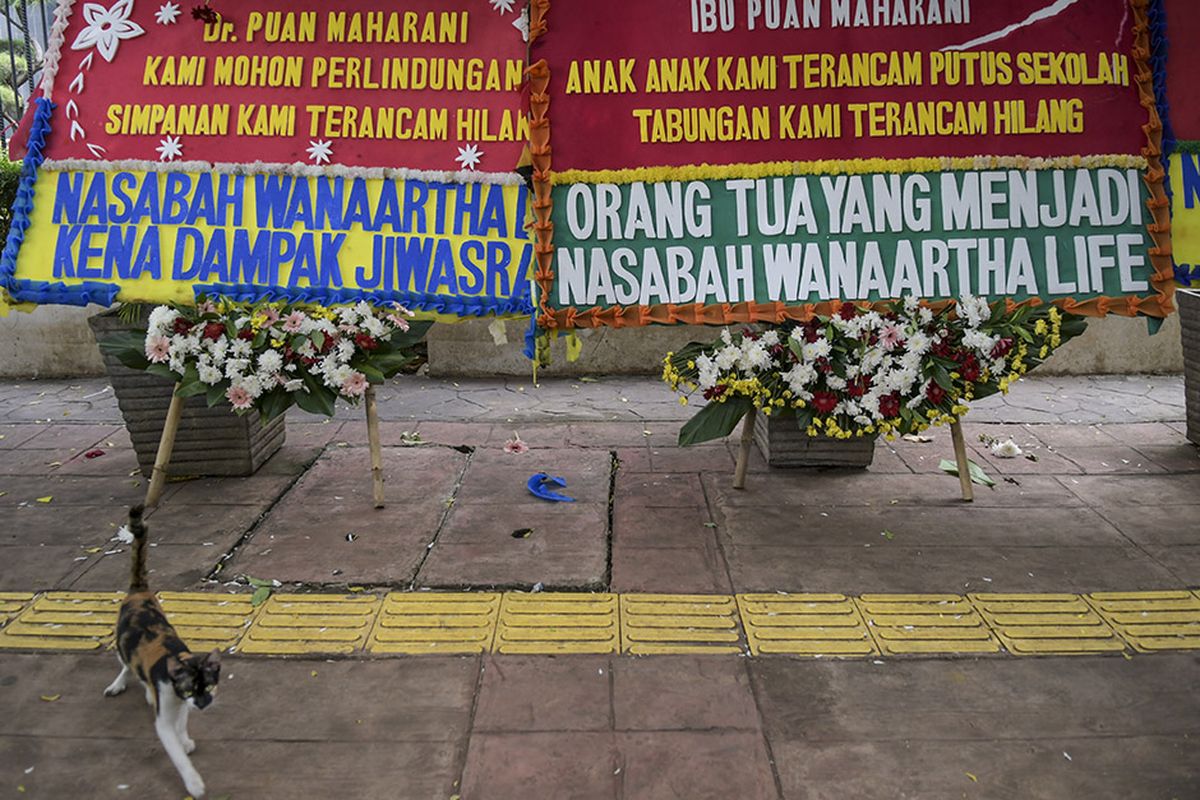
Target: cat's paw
x,y
114,690
195,785
189,746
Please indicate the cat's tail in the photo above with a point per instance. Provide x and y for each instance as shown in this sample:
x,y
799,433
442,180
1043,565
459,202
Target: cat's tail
x,y
137,569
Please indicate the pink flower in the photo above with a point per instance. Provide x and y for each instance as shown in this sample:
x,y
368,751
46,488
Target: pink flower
x,y
239,398
355,385
293,321
207,307
890,337
400,322
272,316
158,349
515,446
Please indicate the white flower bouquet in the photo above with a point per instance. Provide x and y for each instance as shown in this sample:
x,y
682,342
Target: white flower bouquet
x,y
267,356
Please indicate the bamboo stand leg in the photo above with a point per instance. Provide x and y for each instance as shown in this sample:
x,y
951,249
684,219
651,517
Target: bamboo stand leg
x,y
739,472
964,466
376,450
158,476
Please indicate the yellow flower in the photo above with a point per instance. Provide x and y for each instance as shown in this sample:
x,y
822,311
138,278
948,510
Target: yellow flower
x,y
683,401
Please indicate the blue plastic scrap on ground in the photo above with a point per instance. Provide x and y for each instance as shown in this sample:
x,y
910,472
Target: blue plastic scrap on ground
x,y
539,484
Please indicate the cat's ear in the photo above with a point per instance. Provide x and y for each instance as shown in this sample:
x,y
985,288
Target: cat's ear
x,y
212,662
174,667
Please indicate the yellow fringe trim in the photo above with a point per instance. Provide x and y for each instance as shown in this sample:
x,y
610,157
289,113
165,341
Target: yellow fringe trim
x,y
853,166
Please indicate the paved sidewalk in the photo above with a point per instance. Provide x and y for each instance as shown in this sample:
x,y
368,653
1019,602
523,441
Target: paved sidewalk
x,y
1110,505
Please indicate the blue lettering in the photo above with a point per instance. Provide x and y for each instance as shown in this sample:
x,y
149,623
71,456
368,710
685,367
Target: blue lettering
x,y
67,196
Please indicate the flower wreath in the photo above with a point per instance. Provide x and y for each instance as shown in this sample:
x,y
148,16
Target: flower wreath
x,y
861,372
267,356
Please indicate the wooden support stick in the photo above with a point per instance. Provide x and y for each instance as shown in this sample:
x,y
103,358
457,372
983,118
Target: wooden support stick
x,y
158,476
739,472
964,466
376,450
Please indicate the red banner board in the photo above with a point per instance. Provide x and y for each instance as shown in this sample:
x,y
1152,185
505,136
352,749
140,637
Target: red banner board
x,y
356,82
751,81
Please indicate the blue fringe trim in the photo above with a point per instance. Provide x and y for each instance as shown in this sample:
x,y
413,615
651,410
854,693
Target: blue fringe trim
x,y
414,301
23,204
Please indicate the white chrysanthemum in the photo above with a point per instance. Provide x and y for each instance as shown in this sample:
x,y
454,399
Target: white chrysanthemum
x,y
708,372
252,384
835,383
754,356
727,356
348,315
270,362
918,344
975,310
176,363
814,350
236,367
911,304
294,385
979,341
339,375
162,320
345,351
725,337
375,327
209,374
241,348
770,338
799,378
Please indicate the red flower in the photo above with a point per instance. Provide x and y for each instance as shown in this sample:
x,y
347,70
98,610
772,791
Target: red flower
x,y
935,393
889,405
810,332
1002,347
847,311
365,341
824,402
215,330
247,334
715,391
823,366
181,326
970,369
859,386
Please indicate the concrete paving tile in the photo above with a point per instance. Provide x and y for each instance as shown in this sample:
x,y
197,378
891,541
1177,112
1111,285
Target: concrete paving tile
x,y
34,568
620,434
688,570
519,766
71,437
1059,435
955,526
17,435
1035,460
168,567
574,524
900,700
455,434
858,488
1183,457
894,567
411,475
1140,490
97,767
117,462
313,433
1108,459
638,526
390,432
259,489
682,693
557,564
41,524
26,461
1156,525
67,490
634,459
495,477
701,458
179,523
295,545
537,436
1146,433
698,765
660,490
1182,560
887,461
1112,768
541,693
1022,434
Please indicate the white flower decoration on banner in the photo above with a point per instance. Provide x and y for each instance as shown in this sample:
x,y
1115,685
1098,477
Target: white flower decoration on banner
x,y
106,27
469,156
521,23
320,151
502,6
170,149
167,14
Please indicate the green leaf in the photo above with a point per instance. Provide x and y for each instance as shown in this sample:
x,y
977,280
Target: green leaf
x,y
388,364
318,340
942,377
977,474
415,333
215,393
373,374
162,371
318,399
191,389
260,595
714,421
259,582
274,403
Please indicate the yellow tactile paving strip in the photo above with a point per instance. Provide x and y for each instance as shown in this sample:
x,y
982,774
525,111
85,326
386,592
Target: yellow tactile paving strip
x,y
560,623
435,622
656,624
1151,621
926,624
557,622
804,624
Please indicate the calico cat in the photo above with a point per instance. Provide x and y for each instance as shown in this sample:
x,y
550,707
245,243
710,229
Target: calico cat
x,y
176,680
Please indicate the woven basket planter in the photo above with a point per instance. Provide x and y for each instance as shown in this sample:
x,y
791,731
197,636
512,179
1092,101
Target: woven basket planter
x,y
210,441
1188,301
783,444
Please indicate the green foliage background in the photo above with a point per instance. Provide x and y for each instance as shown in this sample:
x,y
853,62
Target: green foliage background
x,y
10,176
